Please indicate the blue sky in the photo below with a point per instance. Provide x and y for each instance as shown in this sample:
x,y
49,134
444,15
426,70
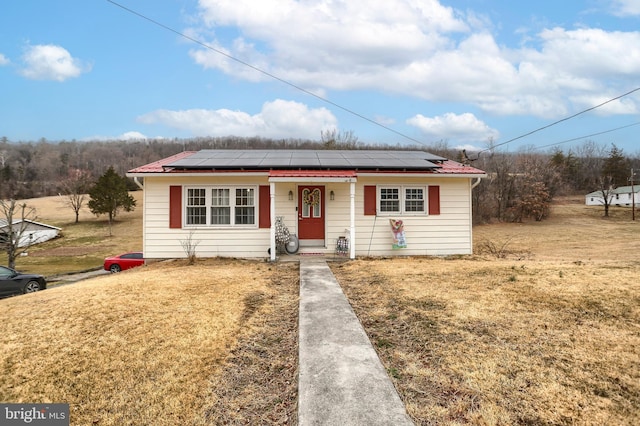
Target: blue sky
x,y
465,72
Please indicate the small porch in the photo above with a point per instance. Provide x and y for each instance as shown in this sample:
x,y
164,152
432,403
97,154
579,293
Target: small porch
x,y
320,212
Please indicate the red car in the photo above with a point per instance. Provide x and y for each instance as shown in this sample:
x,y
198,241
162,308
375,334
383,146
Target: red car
x,y
123,261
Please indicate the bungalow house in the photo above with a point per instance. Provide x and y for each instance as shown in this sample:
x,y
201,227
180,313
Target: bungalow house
x,y
621,196
31,232
360,202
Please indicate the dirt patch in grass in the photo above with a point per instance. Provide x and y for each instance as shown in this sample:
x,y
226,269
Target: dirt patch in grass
x,y
152,345
258,384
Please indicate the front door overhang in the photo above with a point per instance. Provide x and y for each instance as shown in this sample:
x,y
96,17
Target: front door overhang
x,y
312,176
315,176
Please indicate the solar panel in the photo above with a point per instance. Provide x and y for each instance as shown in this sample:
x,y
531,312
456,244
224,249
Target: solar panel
x,y
357,159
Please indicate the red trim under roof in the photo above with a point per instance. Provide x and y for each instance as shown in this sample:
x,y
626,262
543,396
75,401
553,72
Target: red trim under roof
x,y
313,173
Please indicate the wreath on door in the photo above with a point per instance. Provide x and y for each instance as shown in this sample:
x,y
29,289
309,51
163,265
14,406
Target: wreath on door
x,y
312,198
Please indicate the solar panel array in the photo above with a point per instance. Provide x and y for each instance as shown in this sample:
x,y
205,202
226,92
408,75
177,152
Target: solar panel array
x,y
312,159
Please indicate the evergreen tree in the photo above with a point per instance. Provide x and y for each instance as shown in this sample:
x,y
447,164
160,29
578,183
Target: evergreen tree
x,y
110,194
616,167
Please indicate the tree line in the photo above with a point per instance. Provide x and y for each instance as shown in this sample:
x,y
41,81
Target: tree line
x,y
519,185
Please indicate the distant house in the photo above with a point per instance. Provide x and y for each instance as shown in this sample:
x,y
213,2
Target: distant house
x,y
621,196
356,202
34,232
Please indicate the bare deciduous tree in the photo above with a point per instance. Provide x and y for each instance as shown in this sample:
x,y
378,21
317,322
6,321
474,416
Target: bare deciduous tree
x,y
606,191
74,190
333,139
14,224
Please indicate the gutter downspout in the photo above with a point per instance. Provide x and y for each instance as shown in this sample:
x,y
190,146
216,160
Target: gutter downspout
x,y
137,182
473,185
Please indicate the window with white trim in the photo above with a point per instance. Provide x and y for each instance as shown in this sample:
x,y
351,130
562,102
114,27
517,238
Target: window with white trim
x,y
409,200
221,206
196,206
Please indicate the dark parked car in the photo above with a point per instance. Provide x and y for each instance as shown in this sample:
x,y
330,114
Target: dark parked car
x,y
123,261
14,282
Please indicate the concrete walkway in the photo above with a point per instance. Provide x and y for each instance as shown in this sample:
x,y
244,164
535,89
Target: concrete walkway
x,y
341,379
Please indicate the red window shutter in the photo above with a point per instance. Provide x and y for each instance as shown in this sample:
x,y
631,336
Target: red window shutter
x,y
434,200
264,209
370,200
175,207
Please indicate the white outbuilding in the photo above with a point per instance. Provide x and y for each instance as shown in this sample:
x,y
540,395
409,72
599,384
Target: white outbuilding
x,y
621,196
33,232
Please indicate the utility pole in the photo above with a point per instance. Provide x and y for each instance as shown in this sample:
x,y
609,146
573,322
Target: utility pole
x,y
633,197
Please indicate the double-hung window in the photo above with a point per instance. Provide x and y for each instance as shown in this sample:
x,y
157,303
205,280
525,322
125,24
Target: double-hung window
x,y
389,200
196,206
414,200
408,200
221,206
245,206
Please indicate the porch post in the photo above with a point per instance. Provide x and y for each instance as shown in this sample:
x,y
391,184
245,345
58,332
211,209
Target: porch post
x,y
352,237
272,210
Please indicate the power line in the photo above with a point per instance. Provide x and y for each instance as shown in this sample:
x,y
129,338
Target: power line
x,y
560,121
588,136
268,74
352,112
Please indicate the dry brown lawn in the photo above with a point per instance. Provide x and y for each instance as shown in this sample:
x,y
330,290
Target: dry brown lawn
x,y
548,333
157,345
542,327
82,245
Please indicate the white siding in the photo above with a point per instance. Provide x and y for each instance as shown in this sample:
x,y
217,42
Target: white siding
x,y
620,199
160,242
434,235
443,234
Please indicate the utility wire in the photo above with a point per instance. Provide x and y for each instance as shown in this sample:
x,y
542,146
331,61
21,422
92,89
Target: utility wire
x,y
268,74
352,112
560,121
588,136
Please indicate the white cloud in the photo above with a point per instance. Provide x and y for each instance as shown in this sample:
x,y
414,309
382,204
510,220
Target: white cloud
x,y
277,119
50,62
458,127
126,136
313,41
626,7
4,60
132,136
384,120
420,49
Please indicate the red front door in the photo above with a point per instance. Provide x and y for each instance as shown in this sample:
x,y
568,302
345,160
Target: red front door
x,y
311,213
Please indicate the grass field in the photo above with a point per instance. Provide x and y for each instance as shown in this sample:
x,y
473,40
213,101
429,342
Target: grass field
x,y
82,245
541,326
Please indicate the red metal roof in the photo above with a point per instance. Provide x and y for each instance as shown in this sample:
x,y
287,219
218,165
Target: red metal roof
x,y
450,167
157,166
447,167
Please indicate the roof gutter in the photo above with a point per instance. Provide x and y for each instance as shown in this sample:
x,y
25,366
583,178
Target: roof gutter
x,y
476,183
